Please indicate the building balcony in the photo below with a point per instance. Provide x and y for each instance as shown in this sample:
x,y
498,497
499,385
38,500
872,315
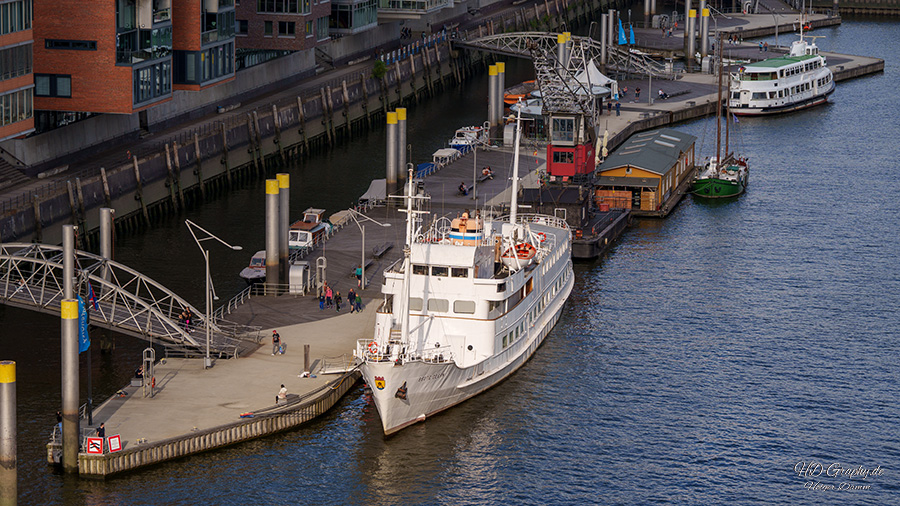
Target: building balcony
x,y
126,57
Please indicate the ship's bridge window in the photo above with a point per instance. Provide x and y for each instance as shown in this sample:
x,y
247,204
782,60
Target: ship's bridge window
x,y
501,287
736,95
420,269
759,95
439,305
439,271
459,272
464,306
415,303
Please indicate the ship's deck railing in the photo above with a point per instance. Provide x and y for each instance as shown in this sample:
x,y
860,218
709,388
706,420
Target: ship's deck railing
x,y
370,350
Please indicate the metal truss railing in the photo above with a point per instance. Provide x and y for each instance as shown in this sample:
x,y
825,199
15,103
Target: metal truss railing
x,y
124,300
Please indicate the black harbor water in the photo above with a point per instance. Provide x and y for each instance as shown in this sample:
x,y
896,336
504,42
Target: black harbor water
x,y
710,358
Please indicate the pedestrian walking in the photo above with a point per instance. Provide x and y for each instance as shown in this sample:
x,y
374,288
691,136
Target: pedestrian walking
x,y
760,47
617,109
609,107
337,301
276,343
765,47
282,395
328,296
359,276
351,299
358,303
637,93
101,430
321,302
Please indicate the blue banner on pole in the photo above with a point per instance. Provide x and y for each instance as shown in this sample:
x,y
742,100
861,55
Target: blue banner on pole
x,y
622,40
84,342
631,35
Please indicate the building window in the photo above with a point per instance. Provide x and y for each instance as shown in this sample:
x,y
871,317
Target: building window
x,y
16,106
15,61
267,30
322,28
52,85
277,6
242,26
305,7
15,16
309,28
81,45
286,28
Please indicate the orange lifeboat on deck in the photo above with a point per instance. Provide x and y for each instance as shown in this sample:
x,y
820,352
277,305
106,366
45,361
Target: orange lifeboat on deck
x,y
519,256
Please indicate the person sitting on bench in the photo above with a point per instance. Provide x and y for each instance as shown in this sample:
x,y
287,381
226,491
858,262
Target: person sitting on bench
x,y
487,173
663,95
463,189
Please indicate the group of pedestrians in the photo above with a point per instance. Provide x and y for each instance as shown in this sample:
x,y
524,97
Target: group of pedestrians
x,y
330,298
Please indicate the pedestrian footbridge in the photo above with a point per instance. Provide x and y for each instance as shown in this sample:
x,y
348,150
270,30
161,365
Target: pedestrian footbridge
x,y
124,300
584,49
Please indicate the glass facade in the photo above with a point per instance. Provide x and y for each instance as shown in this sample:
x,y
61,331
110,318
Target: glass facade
x,y
200,67
15,61
16,106
353,17
322,28
15,16
414,5
152,81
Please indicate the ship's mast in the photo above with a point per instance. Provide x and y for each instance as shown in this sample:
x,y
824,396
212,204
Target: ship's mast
x,y
727,111
407,266
514,197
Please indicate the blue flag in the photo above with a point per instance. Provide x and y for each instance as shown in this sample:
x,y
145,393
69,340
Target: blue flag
x,y
631,35
84,342
622,40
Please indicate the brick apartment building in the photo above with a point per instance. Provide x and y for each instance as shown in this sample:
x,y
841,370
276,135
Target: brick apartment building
x,y
282,25
124,56
16,82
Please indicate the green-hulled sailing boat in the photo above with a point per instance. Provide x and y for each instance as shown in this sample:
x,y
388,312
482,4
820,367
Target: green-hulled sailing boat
x,y
727,178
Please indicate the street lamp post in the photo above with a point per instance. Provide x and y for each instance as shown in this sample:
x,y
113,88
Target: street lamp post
x,y
362,230
207,362
475,145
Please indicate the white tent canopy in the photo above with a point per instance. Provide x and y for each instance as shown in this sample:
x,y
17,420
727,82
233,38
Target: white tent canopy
x,y
593,77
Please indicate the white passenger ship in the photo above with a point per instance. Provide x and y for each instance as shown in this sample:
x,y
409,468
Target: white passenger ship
x,y
796,81
470,303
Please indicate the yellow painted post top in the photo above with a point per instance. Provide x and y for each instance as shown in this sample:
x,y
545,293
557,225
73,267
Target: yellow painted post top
x,y
271,187
492,70
392,118
401,114
705,13
561,38
7,371
69,309
692,13
501,67
284,180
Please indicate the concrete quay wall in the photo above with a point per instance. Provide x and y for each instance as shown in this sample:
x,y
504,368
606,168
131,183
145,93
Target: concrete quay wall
x,y
277,420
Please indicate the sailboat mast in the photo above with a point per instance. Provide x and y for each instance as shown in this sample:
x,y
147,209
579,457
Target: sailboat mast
x,y
514,196
727,112
719,103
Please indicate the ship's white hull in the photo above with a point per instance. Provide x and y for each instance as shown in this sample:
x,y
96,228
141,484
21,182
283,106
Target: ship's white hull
x,y
433,387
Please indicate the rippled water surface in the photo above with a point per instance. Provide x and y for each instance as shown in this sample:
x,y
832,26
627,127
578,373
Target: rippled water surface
x,y
698,363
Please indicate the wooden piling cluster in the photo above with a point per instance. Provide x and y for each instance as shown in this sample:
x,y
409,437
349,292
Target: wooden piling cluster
x,y
260,425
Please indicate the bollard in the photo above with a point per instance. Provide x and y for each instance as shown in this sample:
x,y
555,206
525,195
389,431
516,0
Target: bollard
x,y
704,31
501,88
392,170
272,236
691,40
68,261
306,359
492,95
401,143
284,225
8,469
69,362
603,49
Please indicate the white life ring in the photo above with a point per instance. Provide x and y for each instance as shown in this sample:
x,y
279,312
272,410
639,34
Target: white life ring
x,y
542,236
373,348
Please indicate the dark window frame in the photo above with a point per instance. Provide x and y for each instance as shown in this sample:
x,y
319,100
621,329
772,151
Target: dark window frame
x,y
53,90
76,45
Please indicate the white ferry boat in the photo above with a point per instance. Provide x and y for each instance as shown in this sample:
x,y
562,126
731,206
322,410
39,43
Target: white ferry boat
x,y
468,305
796,81
469,136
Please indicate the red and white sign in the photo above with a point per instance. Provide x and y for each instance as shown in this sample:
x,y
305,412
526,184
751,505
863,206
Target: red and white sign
x,y
95,445
115,443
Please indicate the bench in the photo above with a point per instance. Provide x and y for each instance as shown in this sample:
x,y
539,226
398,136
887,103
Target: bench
x,y
485,178
369,263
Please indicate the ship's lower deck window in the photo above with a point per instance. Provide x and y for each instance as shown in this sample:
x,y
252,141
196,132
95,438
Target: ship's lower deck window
x,y
439,305
420,269
439,271
464,306
459,272
415,303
